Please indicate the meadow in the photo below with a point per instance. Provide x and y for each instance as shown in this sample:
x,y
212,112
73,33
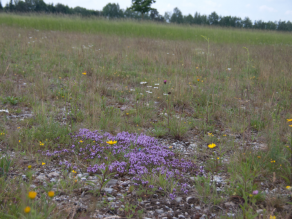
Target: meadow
x,y
94,101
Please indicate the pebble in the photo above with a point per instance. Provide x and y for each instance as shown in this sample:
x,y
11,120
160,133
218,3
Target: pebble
x,y
41,177
178,199
83,179
108,190
159,211
53,174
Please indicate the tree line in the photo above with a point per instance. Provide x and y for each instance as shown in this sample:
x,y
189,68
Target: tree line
x,y
113,11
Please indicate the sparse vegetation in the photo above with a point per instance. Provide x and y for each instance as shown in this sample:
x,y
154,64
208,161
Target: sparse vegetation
x,y
228,105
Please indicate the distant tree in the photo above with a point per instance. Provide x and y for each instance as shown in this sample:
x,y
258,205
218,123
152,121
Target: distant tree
x,y
112,11
11,6
167,16
246,23
177,16
1,7
41,6
142,6
188,19
64,9
213,18
271,25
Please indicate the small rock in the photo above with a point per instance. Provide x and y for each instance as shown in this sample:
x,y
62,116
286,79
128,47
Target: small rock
x,y
83,179
53,180
230,215
203,216
178,199
53,174
112,182
41,177
111,199
85,174
108,190
229,204
159,211
192,200
79,175
32,186
259,211
181,216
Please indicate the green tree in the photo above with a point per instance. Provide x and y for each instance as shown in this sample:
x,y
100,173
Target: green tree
x,y
142,6
177,16
188,19
112,11
1,7
213,18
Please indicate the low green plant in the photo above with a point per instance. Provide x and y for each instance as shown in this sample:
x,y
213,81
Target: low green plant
x,y
5,163
11,99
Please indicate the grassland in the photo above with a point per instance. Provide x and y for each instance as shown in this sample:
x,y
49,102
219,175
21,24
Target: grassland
x,y
146,29
61,74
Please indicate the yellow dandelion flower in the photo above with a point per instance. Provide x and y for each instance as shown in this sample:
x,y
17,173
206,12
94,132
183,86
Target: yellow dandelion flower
x,y
288,187
32,194
112,142
170,147
81,141
198,79
26,210
51,194
84,73
29,166
250,195
289,120
43,163
19,141
211,145
272,217
197,67
259,157
224,135
18,127
218,158
73,171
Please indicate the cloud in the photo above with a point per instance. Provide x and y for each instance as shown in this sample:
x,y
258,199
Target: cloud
x,y
288,12
266,8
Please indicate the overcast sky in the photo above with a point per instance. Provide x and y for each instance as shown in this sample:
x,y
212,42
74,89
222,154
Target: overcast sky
x,y
266,10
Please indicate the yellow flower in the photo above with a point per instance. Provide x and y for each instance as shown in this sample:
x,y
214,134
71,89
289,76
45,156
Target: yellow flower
x,y
19,141
41,143
32,194
75,180
170,147
197,67
29,166
112,142
290,125
211,145
224,135
27,210
289,120
81,141
273,161
18,127
272,217
259,157
43,163
210,134
198,79
73,171
250,195
288,187
84,73
51,194
218,158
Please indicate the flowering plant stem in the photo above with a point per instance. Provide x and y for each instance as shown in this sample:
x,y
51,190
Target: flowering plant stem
x,y
103,180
